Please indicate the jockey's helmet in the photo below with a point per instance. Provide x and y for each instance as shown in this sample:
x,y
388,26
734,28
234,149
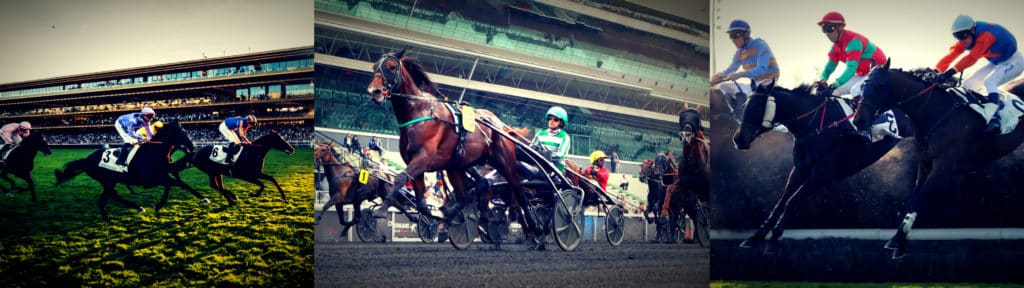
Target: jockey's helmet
x,y
597,155
24,125
559,112
962,23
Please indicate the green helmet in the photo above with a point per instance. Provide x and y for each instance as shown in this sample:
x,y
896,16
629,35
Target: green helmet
x,y
560,113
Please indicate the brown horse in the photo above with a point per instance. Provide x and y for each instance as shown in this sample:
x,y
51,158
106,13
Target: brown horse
x,y
429,138
342,185
695,170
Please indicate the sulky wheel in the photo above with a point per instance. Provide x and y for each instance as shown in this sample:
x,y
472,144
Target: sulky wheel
x,y
614,226
679,228
366,229
426,228
462,227
566,220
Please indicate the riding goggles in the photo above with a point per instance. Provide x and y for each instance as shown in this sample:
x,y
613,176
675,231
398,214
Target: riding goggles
x,y
961,35
829,27
736,34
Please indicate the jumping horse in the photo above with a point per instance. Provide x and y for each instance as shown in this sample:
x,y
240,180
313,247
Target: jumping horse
x,y
151,167
21,160
249,166
950,137
826,150
428,138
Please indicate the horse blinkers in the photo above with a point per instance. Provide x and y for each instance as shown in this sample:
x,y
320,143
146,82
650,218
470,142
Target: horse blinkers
x,y
389,70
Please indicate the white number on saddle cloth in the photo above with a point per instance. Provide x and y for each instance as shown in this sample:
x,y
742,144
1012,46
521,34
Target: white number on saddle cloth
x,y
109,161
884,125
1008,117
219,154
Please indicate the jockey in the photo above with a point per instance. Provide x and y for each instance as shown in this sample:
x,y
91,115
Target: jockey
x,y
13,132
988,40
555,139
597,171
753,55
859,55
234,129
126,126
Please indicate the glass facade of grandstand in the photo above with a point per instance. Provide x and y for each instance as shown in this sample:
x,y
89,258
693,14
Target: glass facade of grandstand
x,y
521,40
269,67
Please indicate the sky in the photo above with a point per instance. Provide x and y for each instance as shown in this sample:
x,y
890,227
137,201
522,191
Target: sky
x,y
46,38
913,33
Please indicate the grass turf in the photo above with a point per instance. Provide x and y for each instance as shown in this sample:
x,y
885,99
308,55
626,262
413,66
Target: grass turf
x,y
62,241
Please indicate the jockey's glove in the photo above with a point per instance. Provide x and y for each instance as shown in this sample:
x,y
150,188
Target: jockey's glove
x,y
945,76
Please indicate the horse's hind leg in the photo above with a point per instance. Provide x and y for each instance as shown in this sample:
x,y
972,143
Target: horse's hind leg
x,y
217,183
31,186
794,183
9,191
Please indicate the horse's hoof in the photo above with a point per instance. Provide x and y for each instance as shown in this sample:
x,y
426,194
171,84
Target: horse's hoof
x,y
204,201
750,243
898,253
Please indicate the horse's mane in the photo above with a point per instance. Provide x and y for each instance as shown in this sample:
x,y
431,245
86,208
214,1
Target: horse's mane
x,y
419,77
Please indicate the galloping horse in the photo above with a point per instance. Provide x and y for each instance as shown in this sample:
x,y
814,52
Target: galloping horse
x,y
249,166
695,170
149,168
822,154
341,180
428,137
21,160
949,136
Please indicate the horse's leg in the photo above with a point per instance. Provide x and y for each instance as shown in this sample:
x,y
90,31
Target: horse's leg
x,y
420,188
31,186
814,182
414,170
272,180
163,199
935,181
794,183
323,210
102,202
258,183
125,202
217,183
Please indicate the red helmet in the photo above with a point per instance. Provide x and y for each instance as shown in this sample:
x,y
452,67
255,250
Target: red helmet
x,y
832,17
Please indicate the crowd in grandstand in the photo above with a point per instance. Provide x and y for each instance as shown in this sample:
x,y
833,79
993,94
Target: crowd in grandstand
x,y
207,134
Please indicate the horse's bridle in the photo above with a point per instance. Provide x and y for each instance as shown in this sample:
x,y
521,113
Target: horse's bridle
x,y
768,120
391,79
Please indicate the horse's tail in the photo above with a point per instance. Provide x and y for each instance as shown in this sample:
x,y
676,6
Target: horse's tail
x,y
71,169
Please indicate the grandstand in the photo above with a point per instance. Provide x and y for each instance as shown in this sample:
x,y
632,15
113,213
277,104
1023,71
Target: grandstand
x,y
622,71
276,86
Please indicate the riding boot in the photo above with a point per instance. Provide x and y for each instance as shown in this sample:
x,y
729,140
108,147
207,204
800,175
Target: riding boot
x,y
738,105
123,156
232,149
993,124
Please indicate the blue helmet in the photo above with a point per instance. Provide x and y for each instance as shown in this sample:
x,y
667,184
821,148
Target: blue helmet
x,y
738,25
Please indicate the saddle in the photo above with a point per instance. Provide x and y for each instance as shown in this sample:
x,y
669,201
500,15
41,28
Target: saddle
x,y
1010,115
465,121
884,125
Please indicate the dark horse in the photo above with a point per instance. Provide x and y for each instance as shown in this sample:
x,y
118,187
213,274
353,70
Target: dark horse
x,y
21,160
949,136
428,137
149,168
694,172
822,154
343,186
249,166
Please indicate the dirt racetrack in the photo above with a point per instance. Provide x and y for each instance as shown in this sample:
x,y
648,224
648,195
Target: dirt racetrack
x,y
593,264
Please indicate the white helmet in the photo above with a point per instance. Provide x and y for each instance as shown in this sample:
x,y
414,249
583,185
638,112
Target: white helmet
x,y
962,22
148,110
251,118
24,125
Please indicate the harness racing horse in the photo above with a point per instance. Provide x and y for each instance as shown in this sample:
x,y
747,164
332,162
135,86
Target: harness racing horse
x,y
21,160
428,137
341,180
950,136
249,166
149,168
693,179
823,153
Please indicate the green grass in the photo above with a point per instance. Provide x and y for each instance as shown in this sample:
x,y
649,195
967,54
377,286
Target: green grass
x,y
61,240
773,284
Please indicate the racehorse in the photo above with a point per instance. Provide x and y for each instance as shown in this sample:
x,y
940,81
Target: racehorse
x,y
823,153
950,137
248,167
21,160
149,168
341,180
428,137
695,171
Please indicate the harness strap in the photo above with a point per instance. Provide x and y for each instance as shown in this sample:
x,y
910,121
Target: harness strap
x,y
417,120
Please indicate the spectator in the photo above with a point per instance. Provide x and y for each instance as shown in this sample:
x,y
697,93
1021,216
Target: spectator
x,y
624,185
615,161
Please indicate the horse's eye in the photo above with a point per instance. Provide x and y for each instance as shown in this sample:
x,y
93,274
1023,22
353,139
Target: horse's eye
x,y
392,65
